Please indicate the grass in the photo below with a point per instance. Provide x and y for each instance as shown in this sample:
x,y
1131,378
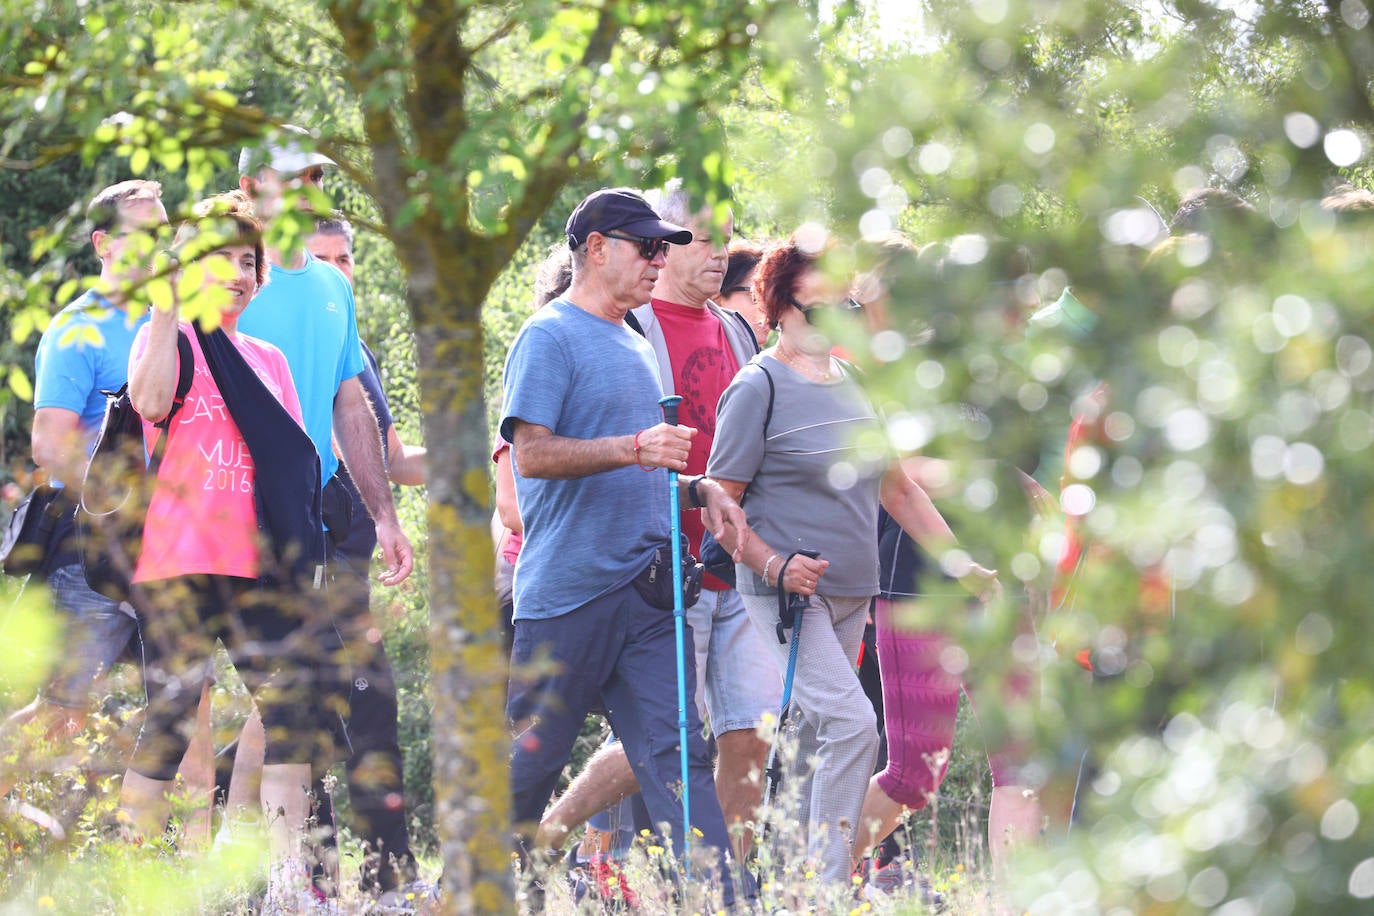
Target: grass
x,y
947,838
92,870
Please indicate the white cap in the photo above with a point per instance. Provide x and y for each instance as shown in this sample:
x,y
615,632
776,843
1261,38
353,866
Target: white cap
x,y
286,156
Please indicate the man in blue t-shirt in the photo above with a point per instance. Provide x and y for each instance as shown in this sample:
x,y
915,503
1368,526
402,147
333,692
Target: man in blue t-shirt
x,y
306,310
590,449
83,353
375,764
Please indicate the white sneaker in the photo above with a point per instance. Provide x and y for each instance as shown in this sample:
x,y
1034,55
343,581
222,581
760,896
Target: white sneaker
x,y
408,898
290,891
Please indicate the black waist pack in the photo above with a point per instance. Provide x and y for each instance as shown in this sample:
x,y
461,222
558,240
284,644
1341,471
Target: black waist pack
x,y
336,509
28,543
655,583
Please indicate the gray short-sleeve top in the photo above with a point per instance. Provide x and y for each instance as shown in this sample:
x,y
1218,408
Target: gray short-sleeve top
x,y
814,479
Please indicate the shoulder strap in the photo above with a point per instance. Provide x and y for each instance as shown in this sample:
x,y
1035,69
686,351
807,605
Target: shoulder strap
x,y
748,328
186,372
772,392
634,324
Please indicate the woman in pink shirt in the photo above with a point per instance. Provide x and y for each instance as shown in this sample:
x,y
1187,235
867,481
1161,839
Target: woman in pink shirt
x,y
197,577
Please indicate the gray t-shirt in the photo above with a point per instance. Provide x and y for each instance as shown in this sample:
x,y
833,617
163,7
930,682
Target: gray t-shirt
x,y
814,481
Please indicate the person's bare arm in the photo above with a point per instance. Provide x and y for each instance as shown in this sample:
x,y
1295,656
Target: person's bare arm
x,y
360,442
408,465
59,445
506,506
153,375
541,454
911,507
803,573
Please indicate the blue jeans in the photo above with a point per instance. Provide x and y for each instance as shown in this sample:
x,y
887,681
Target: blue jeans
x,y
619,649
737,682
96,633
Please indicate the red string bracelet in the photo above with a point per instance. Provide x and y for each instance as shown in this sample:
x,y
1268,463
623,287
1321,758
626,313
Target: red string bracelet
x,y
636,446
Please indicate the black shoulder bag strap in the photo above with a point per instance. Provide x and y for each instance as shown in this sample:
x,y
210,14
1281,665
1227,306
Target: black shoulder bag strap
x,y
767,418
186,371
287,482
772,393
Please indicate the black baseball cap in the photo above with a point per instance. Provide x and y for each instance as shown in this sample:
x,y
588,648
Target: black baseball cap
x,y
624,210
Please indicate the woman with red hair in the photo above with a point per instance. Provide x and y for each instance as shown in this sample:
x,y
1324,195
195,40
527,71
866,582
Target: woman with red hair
x,y
803,450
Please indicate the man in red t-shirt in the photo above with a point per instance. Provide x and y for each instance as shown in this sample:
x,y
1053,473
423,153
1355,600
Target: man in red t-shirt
x,y
699,347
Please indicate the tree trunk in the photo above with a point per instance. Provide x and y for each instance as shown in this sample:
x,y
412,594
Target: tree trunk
x,y
467,658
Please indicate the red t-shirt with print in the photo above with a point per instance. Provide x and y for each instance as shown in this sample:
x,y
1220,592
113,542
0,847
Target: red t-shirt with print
x,y
703,367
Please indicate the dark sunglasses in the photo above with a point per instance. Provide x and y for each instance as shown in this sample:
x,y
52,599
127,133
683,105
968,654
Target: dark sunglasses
x,y
849,305
314,175
648,248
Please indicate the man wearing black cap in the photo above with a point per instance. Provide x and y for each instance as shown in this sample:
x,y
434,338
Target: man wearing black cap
x,y
590,447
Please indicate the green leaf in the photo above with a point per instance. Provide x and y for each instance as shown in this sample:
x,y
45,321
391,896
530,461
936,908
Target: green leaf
x,y
20,384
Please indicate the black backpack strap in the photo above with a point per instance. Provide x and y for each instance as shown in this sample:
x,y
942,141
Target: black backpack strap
x,y
772,392
634,324
767,416
186,372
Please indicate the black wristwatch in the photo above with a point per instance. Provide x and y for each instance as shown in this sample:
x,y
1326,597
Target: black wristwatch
x,y
692,491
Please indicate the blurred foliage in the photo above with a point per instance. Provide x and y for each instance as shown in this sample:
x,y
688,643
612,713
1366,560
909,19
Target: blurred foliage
x,y
1232,732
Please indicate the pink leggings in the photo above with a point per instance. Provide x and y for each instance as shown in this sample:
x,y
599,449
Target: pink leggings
x,y
920,706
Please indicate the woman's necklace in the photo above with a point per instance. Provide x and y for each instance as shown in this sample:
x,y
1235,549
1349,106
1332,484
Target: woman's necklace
x,y
809,370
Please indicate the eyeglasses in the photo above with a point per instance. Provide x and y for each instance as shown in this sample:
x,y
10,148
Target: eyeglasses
x,y
737,289
648,248
313,175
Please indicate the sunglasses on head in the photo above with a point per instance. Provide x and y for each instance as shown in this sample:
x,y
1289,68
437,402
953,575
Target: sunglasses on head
x,y
648,248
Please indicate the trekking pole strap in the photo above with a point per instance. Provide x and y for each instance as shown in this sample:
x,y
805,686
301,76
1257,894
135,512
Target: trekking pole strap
x,y
789,605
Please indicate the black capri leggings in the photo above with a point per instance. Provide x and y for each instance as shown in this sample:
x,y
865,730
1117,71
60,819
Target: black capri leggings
x,y
282,648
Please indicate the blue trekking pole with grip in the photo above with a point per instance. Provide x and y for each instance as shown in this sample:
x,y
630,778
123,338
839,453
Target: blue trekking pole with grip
x,y
670,405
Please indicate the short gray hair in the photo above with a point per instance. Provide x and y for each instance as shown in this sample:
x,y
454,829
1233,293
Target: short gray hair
x,y
554,274
673,203
335,225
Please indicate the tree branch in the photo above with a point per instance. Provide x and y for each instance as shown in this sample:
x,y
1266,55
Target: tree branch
x,y
554,161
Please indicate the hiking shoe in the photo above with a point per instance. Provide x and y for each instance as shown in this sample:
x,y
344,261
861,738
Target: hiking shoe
x,y
408,898
897,879
290,890
310,901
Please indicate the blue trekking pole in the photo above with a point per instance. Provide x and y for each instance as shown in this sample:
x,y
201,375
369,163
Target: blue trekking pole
x,y
669,405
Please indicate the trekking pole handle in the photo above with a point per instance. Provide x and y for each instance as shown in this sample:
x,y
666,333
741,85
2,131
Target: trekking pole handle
x,y
670,405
